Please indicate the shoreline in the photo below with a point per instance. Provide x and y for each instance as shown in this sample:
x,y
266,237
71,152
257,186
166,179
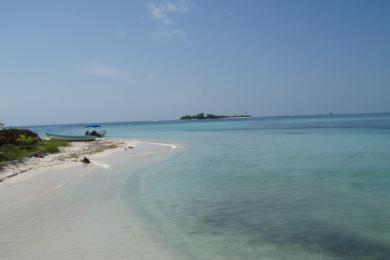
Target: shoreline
x,y
68,156
69,209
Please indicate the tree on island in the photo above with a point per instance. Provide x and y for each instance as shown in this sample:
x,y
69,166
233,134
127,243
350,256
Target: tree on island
x,y
202,116
187,117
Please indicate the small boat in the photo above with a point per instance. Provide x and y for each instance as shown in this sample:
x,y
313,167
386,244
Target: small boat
x,y
95,133
72,138
92,131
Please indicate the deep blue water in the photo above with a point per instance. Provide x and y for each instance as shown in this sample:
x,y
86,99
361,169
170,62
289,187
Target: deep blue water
x,y
308,187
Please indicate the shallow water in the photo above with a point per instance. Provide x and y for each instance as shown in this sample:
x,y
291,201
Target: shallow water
x,y
267,188
79,211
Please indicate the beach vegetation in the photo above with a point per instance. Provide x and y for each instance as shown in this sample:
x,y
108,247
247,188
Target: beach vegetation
x,y
17,144
18,137
26,140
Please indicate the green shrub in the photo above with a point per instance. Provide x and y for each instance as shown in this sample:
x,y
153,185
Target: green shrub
x,y
25,140
10,152
18,137
51,148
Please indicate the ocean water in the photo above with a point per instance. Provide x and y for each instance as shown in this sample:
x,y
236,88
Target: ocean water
x,y
309,187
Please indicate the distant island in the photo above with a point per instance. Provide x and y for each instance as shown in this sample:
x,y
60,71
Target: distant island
x,y
202,116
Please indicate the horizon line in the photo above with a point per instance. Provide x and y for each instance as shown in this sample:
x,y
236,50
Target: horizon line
x,y
170,120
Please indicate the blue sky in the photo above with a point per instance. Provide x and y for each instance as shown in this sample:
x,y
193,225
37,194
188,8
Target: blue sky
x,y
85,61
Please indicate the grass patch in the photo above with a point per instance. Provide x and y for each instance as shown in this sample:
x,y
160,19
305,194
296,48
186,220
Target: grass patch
x,y
10,152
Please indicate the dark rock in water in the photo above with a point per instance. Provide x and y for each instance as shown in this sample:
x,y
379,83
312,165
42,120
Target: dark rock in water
x,y
130,147
85,160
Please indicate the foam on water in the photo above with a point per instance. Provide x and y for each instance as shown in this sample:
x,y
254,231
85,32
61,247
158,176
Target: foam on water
x,y
101,164
172,146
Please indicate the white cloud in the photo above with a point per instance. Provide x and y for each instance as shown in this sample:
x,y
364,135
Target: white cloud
x,y
100,70
164,10
120,33
164,13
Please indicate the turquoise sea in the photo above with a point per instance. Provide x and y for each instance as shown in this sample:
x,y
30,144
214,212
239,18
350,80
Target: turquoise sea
x,y
305,187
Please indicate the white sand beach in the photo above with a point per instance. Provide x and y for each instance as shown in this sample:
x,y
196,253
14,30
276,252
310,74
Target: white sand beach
x,y
68,156
60,208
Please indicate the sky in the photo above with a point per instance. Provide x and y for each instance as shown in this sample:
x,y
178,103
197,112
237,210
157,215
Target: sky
x,y
100,61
